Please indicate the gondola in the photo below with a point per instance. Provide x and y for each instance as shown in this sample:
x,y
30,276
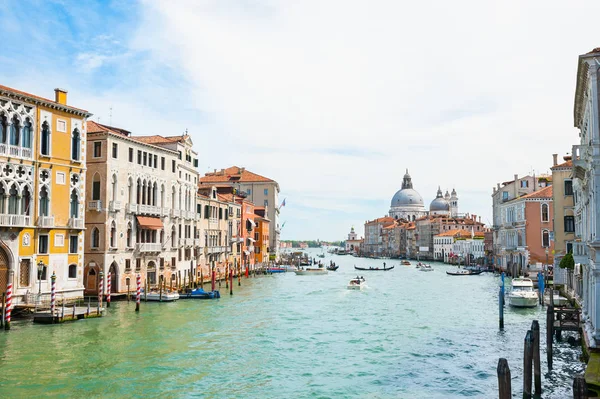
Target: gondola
x,y
333,268
373,268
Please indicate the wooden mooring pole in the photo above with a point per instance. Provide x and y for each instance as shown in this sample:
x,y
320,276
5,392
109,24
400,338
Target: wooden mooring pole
x,y
3,309
527,364
580,389
501,308
537,372
504,387
549,332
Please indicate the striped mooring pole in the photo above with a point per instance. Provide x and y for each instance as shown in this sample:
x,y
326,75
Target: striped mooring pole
x,y
53,295
138,293
108,278
100,292
8,306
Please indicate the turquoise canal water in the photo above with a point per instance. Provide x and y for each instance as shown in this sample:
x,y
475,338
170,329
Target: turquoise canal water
x,y
409,335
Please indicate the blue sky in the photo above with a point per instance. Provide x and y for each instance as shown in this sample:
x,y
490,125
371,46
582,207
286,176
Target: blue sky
x,y
333,99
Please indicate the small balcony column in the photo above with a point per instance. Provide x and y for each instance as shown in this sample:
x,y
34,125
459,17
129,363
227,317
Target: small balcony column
x,y
5,207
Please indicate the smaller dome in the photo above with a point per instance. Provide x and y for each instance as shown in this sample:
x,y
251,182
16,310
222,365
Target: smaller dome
x,y
439,205
447,195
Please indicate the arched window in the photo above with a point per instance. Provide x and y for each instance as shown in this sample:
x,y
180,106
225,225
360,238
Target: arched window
x,y
129,235
2,194
13,200
545,216
114,187
26,139
26,202
139,192
143,193
74,204
15,130
72,271
45,138
113,235
162,195
545,238
3,129
95,237
155,194
75,145
173,237
173,194
131,193
96,187
162,236
149,194
44,202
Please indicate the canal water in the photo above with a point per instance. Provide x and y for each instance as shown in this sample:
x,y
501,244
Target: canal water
x,y
410,334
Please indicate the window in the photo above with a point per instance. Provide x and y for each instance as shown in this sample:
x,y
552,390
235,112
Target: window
x,y
220,213
76,145
61,126
545,216
113,235
26,139
25,273
73,244
115,150
155,161
266,202
97,149
131,155
568,187
129,236
127,264
45,138
504,195
59,240
162,263
43,244
44,202
72,271
61,178
569,224
266,191
173,263
173,165
206,212
569,247
524,184
195,162
74,204
249,191
545,238
139,157
162,163
96,187
144,158
95,238
138,264
42,276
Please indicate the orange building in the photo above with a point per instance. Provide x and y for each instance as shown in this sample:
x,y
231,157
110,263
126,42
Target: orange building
x,y
248,226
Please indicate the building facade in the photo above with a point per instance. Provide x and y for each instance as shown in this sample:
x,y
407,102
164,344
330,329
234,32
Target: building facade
x,y
564,212
42,196
353,243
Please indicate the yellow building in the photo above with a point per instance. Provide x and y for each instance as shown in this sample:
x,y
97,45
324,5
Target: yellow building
x,y
261,236
42,172
564,207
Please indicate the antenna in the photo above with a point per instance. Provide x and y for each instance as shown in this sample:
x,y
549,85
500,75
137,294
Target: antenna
x,y
110,116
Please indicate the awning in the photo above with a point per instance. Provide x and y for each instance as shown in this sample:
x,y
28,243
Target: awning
x,y
147,222
251,239
246,252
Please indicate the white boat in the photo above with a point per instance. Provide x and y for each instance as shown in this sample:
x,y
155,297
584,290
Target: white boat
x,y
156,296
357,283
522,294
426,268
311,271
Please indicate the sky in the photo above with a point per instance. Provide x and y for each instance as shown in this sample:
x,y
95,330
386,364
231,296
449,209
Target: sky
x,y
334,99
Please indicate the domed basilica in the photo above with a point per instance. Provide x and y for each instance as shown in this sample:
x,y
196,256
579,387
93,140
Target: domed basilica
x,y
407,203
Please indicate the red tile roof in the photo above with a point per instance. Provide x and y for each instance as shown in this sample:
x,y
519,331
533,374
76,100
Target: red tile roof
x,y
233,174
568,164
546,192
461,233
95,127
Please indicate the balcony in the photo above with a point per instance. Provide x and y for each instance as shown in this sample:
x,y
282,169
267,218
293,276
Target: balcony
x,y
76,223
216,249
251,248
15,220
579,155
131,208
165,212
149,209
175,213
114,206
46,221
196,242
148,247
95,206
15,151
186,242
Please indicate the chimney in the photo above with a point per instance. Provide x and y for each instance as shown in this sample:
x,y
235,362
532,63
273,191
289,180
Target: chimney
x,y
215,172
498,186
493,190
479,219
516,186
60,96
554,159
222,171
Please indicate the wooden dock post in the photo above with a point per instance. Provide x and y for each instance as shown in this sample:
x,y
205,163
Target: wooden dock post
x,y
160,288
88,307
3,309
504,386
537,368
580,389
501,308
527,364
230,282
227,276
549,333
146,290
73,311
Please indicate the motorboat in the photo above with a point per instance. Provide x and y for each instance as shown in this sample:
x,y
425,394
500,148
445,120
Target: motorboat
x,y
522,294
165,296
311,271
464,272
199,293
425,268
276,270
321,255
357,283
341,252
405,263
332,267
374,268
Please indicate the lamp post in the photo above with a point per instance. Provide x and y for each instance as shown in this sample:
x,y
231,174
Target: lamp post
x,y
40,269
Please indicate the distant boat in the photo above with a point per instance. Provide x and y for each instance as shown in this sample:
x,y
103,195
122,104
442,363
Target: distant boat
x,y
406,263
357,283
464,272
164,297
426,268
332,268
199,293
309,272
373,268
341,252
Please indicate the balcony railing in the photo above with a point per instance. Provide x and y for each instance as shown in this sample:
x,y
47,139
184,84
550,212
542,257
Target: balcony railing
x,y
114,206
149,209
165,212
95,205
76,223
148,247
187,242
216,249
15,220
46,221
131,208
578,152
175,213
15,151
196,242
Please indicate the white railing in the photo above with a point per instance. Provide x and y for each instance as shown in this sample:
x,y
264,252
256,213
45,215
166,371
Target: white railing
x,y
196,242
76,223
15,220
114,206
175,213
149,209
131,208
251,248
46,221
15,151
95,205
165,212
148,247
217,249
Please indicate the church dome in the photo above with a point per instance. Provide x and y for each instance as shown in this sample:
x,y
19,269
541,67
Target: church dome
x,y
439,203
407,197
